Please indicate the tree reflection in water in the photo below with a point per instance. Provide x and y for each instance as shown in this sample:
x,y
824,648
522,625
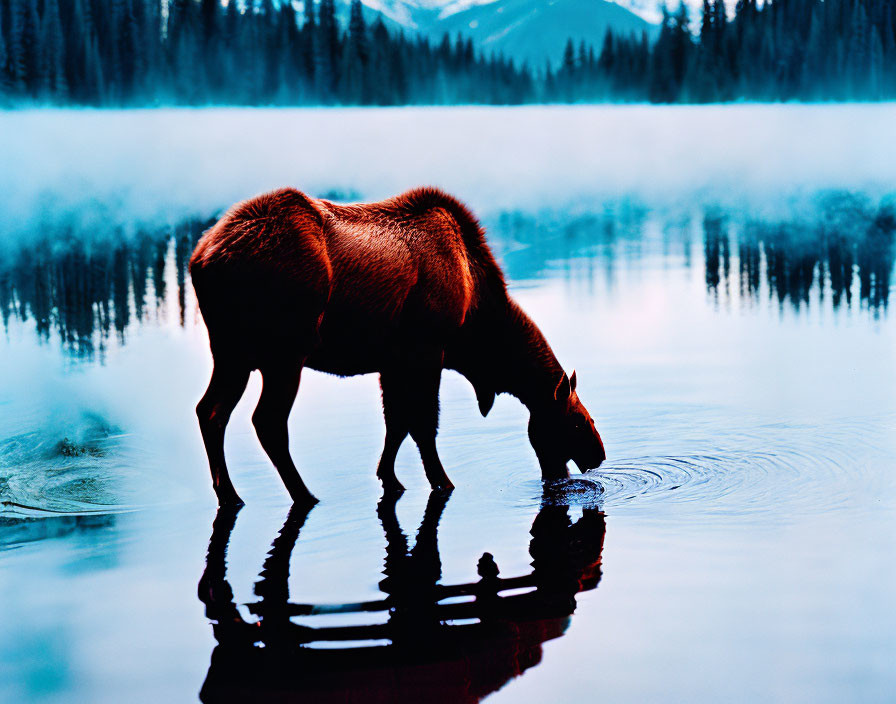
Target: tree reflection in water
x,y
84,291
845,252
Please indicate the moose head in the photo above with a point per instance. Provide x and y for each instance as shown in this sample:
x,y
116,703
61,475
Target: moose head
x,y
562,429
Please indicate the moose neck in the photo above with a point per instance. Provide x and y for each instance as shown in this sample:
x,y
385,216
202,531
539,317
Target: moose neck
x,y
518,358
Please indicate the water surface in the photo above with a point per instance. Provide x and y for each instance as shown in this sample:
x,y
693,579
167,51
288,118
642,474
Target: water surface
x,y
737,544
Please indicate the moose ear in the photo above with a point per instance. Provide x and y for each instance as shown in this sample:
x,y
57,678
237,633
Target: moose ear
x,y
486,399
562,392
572,381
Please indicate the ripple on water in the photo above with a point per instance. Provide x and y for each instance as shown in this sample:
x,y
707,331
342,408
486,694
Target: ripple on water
x,y
43,474
575,491
797,471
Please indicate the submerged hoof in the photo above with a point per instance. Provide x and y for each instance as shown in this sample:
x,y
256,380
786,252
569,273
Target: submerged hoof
x,y
306,499
392,487
230,501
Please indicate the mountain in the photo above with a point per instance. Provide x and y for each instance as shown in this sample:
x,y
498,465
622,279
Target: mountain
x,y
650,9
526,30
537,31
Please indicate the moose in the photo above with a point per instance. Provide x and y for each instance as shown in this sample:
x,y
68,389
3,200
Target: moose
x,y
405,287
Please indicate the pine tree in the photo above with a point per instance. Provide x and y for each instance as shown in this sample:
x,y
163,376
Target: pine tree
x,y
702,81
149,37
380,90
887,29
327,50
23,49
354,59
308,48
95,78
606,63
270,51
5,79
722,62
232,68
566,76
78,31
876,67
661,76
680,47
813,61
53,83
210,19
859,53
129,49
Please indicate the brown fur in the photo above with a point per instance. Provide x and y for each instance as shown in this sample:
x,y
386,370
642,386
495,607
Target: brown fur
x,y
404,287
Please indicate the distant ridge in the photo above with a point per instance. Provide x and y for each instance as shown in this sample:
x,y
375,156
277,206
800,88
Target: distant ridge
x,y
534,31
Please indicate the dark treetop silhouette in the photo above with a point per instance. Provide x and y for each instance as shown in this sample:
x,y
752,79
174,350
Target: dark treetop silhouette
x,y
151,52
404,287
459,651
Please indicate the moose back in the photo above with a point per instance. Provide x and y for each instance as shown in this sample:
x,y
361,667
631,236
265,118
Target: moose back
x,y
405,288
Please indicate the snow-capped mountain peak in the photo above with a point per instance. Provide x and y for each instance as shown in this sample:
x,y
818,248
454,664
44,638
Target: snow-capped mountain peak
x,y
525,30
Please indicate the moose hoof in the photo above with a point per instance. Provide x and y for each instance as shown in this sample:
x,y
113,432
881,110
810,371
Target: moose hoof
x,y
304,499
392,487
230,500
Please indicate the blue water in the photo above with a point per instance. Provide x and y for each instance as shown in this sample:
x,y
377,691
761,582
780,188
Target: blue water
x,y
736,545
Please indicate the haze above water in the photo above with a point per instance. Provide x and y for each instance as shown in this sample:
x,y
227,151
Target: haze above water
x,y
720,278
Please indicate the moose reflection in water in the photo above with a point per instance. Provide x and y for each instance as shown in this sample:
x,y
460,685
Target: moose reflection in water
x,y
85,291
452,643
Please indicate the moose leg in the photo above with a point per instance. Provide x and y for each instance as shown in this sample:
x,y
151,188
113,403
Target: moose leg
x,y
421,388
411,404
279,388
224,391
424,406
394,412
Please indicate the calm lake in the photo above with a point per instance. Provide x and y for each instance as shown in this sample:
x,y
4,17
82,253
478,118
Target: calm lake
x,y
735,346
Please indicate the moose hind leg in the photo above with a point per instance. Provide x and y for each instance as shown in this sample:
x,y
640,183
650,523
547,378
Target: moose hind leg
x,y
279,388
224,391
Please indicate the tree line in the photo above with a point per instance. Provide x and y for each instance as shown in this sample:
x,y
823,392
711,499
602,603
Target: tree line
x,y
193,52
782,50
267,52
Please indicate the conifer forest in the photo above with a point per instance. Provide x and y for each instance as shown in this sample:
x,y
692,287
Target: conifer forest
x,y
205,52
